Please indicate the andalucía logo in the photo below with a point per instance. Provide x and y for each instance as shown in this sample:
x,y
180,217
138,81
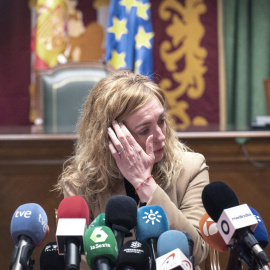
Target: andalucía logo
x,y
168,259
152,217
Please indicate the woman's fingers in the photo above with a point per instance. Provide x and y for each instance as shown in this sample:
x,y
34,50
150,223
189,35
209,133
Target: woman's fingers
x,y
149,146
119,139
129,138
115,141
114,151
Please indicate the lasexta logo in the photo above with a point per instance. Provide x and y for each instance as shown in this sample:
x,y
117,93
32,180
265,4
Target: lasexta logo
x,y
98,235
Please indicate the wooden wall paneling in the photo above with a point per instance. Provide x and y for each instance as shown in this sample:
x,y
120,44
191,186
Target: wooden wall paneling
x,y
28,171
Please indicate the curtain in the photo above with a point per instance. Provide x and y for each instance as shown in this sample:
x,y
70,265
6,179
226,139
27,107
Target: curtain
x,y
247,58
15,58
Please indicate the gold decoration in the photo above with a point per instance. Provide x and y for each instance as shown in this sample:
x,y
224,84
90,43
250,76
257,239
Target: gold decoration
x,y
186,32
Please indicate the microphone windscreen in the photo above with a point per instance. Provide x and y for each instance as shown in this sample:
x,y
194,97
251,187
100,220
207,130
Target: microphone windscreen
x,y
216,197
136,255
152,221
100,242
98,221
121,213
211,235
30,220
171,240
50,259
260,231
73,207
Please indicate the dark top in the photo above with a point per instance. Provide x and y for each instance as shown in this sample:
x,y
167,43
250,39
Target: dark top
x,y
130,190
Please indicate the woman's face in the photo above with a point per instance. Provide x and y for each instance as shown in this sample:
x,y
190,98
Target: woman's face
x,y
149,120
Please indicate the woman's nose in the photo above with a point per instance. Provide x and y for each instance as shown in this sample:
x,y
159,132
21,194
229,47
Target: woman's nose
x,y
159,134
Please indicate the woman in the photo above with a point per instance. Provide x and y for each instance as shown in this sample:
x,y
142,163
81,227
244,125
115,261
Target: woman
x,y
126,145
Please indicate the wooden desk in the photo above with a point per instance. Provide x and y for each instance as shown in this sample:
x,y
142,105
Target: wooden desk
x,y
31,163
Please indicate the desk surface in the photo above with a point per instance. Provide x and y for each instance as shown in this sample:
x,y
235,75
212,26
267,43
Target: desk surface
x,y
25,133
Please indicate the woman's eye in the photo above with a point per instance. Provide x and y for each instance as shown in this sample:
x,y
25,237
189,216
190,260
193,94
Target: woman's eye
x,y
162,121
144,132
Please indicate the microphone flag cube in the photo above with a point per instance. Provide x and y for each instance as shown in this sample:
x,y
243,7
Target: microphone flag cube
x,y
173,260
235,218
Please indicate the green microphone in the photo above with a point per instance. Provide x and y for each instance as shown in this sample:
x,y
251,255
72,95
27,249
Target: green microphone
x,y
98,221
100,248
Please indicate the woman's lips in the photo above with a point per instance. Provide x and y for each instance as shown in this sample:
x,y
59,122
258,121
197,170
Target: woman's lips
x,y
160,150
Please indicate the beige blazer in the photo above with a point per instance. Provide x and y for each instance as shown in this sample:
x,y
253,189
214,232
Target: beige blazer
x,y
182,201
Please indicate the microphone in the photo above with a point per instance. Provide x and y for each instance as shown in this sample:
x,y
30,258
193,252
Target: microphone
x,y
100,248
121,216
98,221
261,235
211,235
171,240
72,222
191,245
134,255
152,221
173,251
234,221
50,259
260,231
29,227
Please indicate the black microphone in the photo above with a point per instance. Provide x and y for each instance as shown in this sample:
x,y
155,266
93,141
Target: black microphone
x,y
134,255
121,216
190,245
50,259
223,207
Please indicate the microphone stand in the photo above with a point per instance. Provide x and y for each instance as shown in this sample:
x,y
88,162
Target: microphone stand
x,y
153,244
21,259
234,262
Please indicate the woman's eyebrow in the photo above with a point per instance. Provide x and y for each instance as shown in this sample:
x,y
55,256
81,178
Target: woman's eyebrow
x,y
149,122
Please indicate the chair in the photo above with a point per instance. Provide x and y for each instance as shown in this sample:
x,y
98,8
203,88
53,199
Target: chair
x,y
61,92
266,83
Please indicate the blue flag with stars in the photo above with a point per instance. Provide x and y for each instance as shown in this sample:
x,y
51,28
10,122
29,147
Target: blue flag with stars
x,y
129,40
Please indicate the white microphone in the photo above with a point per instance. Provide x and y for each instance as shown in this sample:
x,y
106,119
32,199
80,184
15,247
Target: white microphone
x,y
174,259
70,227
233,219
173,251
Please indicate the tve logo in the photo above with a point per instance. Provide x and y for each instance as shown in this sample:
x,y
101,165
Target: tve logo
x,y
25,214
43,223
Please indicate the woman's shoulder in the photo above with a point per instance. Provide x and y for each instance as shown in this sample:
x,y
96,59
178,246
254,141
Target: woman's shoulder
x,y
191,156
193,160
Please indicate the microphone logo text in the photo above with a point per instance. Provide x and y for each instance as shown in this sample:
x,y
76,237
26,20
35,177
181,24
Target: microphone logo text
x,y
25,214
152,217
98,235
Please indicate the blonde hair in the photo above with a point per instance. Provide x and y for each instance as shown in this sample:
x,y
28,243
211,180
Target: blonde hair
x,y
93,169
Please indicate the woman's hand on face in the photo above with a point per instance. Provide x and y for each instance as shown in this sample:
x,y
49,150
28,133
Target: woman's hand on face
x,y
134,163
